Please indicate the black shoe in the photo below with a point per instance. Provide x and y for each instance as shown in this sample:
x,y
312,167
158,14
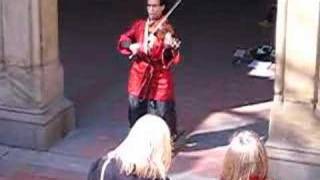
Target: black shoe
x,y
179,141
178,135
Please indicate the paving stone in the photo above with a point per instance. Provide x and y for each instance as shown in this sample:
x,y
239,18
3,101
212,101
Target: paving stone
x,y
8,168
41,173
293,171
100,142
47,159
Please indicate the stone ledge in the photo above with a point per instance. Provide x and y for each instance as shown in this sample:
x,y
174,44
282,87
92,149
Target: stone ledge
x,y
37,131
51,160
290,154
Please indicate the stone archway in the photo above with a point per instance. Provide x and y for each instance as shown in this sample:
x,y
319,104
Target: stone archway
x,y
34,113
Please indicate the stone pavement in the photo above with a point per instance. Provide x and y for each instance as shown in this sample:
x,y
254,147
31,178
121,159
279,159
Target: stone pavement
x,y
201,158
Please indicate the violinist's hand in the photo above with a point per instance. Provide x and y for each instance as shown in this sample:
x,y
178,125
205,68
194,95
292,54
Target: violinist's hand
x,y
171,42
134,48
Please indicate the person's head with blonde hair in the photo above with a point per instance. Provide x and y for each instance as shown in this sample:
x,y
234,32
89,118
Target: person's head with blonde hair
x,y
146,151
246,158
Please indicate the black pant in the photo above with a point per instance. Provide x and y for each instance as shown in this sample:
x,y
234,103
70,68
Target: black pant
x,y
165,109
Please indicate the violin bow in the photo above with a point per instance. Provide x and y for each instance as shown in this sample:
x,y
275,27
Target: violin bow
x,y
165,17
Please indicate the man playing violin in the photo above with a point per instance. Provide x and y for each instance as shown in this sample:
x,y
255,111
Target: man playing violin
x,y
153,49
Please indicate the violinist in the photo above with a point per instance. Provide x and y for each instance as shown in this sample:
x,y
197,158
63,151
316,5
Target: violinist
x,y
153,47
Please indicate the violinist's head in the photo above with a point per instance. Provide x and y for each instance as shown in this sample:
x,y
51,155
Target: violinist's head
x,y
155,9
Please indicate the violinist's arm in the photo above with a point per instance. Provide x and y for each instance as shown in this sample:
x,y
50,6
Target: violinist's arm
x,y
170,57
171,53
127,39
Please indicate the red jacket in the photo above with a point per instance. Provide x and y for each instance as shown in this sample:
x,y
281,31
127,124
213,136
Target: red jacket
x,y
149,77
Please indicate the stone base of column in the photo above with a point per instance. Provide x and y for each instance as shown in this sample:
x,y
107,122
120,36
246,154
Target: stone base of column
x,y
294,141
303,156
36,129
294,164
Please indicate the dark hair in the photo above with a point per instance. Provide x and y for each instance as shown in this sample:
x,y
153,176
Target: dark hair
x,y
163,2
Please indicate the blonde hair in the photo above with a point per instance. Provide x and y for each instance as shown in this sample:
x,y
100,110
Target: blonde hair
x,y
146,151
246,158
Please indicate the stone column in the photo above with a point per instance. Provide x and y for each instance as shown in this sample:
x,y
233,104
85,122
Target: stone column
x,y
294,133
33,111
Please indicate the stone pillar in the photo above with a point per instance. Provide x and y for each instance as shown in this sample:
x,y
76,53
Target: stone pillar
x,y
33,111
294,133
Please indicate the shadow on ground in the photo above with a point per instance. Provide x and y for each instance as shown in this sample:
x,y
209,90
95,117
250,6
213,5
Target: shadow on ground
x,y
209,140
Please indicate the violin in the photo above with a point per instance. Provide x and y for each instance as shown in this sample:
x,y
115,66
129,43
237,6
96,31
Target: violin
x,y
164,32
